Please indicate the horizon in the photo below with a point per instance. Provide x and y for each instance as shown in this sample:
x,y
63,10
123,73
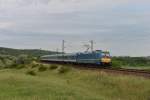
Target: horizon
x,y
121,26
69,52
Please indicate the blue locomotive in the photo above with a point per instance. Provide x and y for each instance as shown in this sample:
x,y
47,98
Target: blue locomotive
x,y
97,57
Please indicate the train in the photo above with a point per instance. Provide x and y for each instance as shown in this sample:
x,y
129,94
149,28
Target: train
x,y
97,57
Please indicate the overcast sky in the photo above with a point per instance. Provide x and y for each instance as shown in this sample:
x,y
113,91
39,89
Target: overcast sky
x,y
120,26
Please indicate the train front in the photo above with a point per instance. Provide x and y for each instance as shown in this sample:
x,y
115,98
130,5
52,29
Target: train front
x,y
106,58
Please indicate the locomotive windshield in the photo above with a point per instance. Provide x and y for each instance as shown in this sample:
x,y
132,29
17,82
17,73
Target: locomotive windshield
x,y
105,54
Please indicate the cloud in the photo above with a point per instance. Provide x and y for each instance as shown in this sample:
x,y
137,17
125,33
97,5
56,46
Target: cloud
x,y
115,25
61,6
5,24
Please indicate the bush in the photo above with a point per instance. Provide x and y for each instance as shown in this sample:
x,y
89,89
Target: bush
x,y
42,68
21,66
35,65
23,59
8,62
31,72
17,66
63,69
131,61
116,64
2,65
53,67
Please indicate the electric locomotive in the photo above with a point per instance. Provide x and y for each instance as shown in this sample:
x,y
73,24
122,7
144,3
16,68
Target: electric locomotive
x,y
97,57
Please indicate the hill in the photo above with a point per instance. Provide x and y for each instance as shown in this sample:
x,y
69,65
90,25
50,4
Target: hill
x,y
31,52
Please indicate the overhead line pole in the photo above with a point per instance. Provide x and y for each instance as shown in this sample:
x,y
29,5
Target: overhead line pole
x,y
63,48
92,45
57,51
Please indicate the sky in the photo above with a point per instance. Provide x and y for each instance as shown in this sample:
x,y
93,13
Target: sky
x,y
119,26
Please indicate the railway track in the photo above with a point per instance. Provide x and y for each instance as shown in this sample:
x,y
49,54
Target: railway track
x,y
143,73
135,72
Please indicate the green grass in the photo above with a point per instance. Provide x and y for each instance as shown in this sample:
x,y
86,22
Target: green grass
x,y
140,68
74,84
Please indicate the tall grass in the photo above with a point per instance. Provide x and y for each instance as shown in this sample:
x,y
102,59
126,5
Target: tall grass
x,y
75,85
64,83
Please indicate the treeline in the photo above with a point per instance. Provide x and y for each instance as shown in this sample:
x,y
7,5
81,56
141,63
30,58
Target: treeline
x,y
10,58
30,63
14,57
30,52
131,61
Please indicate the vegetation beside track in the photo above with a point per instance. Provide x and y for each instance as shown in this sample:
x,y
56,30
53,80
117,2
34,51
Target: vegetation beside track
x,y
8,56
22,78
55,82
131,62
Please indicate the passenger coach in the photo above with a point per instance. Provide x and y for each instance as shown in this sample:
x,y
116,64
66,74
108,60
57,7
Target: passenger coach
x,y
97,57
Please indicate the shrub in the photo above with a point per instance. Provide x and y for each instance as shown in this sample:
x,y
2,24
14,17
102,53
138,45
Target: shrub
x,y
2,64
53,67
31,72
23,59
116,64
8,62
17,66
14,65
63,69
21,66
35,65
42,68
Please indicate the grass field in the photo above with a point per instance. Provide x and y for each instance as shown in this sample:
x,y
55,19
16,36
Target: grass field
x,y
139,67
73,84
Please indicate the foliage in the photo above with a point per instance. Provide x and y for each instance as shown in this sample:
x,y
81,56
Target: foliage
x,y
7,61
116,63
23,59
30,52
42,68
51,67
75,85
130,61
63,69
34,65
31,72
20,66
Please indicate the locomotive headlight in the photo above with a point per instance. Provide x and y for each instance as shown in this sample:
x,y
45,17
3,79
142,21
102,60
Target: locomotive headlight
x,y
106,60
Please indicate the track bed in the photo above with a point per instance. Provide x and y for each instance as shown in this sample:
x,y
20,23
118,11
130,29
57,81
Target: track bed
x,y
108,69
